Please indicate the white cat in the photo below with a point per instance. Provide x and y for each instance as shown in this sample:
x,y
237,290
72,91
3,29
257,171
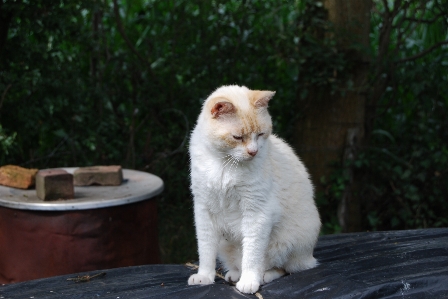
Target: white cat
x,y
253,199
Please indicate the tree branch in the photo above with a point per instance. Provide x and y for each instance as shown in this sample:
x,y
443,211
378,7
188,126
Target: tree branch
x,y
125,37
423,53
425,21
187,131
49,156
404,9
411,26
386,7
396,8
4,95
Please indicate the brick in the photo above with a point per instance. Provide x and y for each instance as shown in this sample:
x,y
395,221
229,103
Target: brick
x,y
54,184
98,175
17,177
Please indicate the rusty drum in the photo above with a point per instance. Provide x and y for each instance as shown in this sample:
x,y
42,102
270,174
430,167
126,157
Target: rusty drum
x,y
103,227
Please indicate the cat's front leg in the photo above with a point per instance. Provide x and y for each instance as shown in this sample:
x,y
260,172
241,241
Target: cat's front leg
x,y
256,229
208,241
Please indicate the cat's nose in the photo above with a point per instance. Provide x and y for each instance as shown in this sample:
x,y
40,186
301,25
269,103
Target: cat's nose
x,y
252,152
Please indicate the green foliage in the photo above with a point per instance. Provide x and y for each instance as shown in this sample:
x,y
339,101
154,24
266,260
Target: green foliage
x,y
402,174
6,141
404,169
108,82
328,200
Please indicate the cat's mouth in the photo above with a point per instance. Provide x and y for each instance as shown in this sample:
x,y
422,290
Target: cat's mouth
x,y
247,158
233,161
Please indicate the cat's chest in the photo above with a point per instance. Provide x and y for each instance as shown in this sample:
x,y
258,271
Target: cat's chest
x,y
229,225
226,214
216,176
224,199
223,194
223,188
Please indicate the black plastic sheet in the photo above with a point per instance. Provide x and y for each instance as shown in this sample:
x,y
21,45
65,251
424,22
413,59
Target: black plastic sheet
x,y
397,264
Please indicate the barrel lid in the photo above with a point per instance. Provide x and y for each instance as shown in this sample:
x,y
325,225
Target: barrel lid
x,y
137,186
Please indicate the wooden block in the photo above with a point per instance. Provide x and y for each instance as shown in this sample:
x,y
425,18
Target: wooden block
x,y
54,184
98,175
17,177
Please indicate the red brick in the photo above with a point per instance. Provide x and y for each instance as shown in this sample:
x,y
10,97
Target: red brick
x,y
54,184
98,175
17,177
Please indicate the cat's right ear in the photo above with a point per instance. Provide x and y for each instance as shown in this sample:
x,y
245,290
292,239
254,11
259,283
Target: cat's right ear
x,y
221,108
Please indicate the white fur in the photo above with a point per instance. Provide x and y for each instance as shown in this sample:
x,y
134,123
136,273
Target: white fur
x,y
256,214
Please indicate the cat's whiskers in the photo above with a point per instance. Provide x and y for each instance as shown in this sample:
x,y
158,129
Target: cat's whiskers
x,y
228,160
235,163
232,162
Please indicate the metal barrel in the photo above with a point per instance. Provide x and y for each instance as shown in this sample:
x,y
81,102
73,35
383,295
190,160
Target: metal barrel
x,y
102,228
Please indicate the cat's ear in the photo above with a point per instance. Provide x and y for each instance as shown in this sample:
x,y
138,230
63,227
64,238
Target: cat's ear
x,y
221,108
262,98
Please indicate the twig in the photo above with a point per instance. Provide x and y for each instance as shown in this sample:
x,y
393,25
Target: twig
x,y
386,7
193,266
387,152
181,146
430,21
187,131
125,37
50,155
411,26
258,295
86,278
423,53
4,95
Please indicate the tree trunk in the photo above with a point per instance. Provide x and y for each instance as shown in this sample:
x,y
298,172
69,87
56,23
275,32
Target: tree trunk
x,y
321,136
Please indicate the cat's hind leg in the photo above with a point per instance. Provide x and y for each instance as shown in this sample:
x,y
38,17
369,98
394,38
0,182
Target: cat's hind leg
x,y
299,262
233,275
272,274
230,256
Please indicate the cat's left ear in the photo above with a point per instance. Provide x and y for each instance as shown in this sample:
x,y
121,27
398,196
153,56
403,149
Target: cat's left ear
x,y
221,108
262,98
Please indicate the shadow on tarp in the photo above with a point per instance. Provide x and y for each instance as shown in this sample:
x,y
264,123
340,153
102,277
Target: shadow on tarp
x,y
396,264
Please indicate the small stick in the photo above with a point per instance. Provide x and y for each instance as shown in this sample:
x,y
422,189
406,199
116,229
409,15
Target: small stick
x,y
86,278
195,267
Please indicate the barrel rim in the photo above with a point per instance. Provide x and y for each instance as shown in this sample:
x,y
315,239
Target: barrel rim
x,y
137,186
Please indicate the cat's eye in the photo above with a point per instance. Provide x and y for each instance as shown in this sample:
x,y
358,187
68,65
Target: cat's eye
x,y
238,137
261,134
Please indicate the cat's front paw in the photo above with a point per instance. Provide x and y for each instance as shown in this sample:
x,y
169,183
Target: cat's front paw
x,y
233,276
248,285
199,279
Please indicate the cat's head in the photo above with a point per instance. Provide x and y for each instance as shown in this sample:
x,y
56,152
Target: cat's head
x,y
237,121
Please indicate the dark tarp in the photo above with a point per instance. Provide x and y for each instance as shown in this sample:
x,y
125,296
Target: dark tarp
x,y
397,264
